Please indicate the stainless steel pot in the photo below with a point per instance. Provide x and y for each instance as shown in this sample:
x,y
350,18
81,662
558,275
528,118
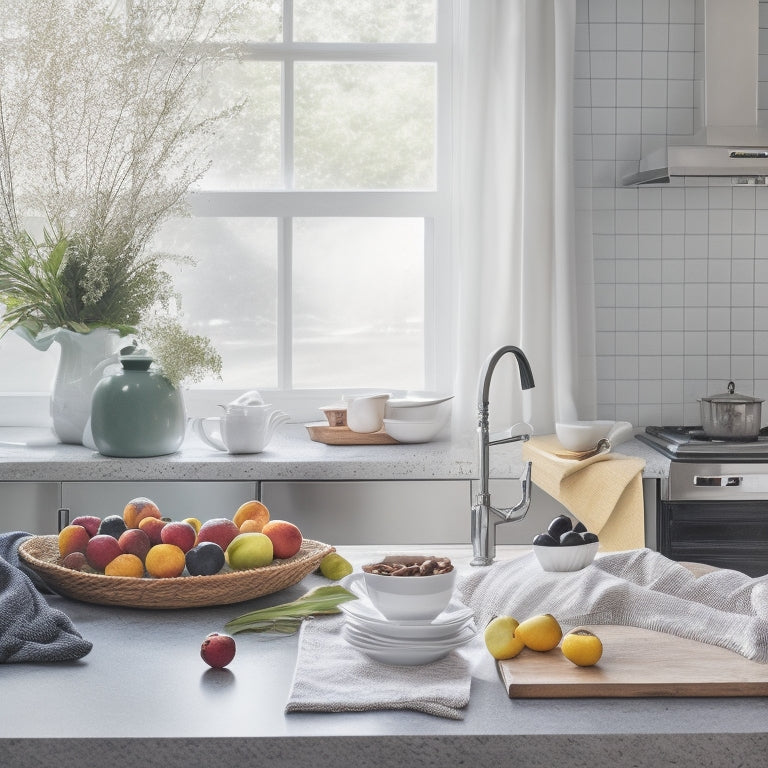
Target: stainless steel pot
x,y
731,416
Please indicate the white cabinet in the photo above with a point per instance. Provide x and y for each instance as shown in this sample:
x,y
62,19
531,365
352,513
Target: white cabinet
x,y
30,507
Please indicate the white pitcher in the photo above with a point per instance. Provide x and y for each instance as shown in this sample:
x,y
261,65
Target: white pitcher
x,y
242,428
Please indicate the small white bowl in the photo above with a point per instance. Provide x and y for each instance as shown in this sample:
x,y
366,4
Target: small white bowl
x,y
412,431
566,558
417,410
410,598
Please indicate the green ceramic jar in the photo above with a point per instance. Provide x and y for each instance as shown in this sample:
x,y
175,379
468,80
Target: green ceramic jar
x,y
136,412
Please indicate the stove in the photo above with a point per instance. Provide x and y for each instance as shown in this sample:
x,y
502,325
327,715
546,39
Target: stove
x,y
713,508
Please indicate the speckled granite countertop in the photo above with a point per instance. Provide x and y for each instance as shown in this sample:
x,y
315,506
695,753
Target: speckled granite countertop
x,y
143,697
34,455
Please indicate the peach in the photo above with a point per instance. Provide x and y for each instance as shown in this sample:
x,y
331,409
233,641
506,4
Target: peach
x,y
286,538
135,541
102,550
152,527
91,523
73,538
75,561
183,535
219,530
251,510
138,509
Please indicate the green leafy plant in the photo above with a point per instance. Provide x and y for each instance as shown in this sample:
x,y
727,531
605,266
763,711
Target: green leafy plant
x,y
102,132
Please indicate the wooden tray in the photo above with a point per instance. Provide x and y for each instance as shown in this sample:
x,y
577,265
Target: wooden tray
x,y
636,663
321,432
41,554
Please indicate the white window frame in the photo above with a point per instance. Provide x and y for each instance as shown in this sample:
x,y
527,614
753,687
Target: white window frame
x,y
434,207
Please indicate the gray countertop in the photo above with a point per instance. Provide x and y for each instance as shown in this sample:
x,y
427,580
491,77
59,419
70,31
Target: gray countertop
x,y
34,455
143,697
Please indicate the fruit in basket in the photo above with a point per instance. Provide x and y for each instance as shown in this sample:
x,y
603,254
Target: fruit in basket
x,y
334,567
152,526
194,522
218,650
134,541
73,538
205,559
219,530
183,535
76,561
286,538
125,565
91,523
249,550
113,525
101,550
582,647
165,561
251,510
540,633
139,508
500,638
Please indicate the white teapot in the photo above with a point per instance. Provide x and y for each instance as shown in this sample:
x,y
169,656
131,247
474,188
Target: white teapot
x,y
242,428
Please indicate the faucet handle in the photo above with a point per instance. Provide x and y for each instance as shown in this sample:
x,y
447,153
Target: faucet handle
x,y
512,434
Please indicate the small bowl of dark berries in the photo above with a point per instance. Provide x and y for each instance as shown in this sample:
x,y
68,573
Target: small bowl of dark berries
x,y
566,546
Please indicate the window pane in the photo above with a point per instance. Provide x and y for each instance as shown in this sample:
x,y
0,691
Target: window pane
x,y
358,297
364,21
246,153
230,295
259,21
364,126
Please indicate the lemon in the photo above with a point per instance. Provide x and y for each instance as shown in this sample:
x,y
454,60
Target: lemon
x,y
500,640
540,633
334,567
582,647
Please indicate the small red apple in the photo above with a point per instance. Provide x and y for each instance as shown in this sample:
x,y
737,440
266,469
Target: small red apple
x,y
217,650
286,538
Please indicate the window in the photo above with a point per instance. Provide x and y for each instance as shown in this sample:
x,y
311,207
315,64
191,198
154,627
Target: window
x,y
321,230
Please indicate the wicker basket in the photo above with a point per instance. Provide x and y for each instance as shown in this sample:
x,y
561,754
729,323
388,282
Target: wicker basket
x,y
41,554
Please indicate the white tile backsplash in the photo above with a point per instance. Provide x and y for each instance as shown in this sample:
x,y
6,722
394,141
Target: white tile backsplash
x,y
681,270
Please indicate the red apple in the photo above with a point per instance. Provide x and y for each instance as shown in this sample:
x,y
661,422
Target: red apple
x,y
152,526
220,530
183,535
91,523
217,650
286,538
102,549
134,541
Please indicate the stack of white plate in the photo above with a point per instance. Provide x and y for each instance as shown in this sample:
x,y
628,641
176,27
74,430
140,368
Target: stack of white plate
x,y
402,642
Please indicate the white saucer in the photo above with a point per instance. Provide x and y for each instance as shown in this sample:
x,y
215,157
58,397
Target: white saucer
x,y
364,637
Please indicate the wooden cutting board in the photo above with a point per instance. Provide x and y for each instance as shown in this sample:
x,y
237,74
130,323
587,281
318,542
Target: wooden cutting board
x,y
324,433
636,663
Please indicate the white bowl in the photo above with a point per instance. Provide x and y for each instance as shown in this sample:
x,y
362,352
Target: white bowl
x,y
412,431
580,436
410,598
416,410
566,558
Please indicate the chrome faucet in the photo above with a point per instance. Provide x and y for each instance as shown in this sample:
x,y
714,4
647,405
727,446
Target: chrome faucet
x,y
485,517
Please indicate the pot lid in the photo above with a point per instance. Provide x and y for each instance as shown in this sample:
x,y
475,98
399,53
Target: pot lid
x,y
731,397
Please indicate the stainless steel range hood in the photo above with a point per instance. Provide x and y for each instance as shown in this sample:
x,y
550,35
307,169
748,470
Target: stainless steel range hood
x,y
731,144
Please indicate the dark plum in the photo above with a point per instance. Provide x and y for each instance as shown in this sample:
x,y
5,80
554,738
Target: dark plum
x,y
571,539
113,525
205,559
580,528
560,525
545,540
589,538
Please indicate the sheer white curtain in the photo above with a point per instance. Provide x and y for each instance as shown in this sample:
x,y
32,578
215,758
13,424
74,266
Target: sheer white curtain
x,y
514,209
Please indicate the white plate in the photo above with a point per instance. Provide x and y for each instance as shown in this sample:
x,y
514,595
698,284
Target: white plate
x,y
405,656
374,640
451,619
428,633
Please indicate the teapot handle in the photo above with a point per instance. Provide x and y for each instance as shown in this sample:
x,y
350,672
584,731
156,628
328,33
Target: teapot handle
x,y
198,425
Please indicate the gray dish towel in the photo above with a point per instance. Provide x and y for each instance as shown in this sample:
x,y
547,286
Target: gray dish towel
x,y
332,676
639,588
30,630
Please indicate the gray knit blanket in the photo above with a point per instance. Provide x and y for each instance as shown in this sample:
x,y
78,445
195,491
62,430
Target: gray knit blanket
x,y
639,588
30,629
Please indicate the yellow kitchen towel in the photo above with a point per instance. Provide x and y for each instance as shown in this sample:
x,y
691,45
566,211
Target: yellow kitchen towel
x,y
604,492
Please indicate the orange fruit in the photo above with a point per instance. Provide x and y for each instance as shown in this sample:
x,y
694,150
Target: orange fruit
x,y
125,565
251,526
251,510
164,561
137,509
